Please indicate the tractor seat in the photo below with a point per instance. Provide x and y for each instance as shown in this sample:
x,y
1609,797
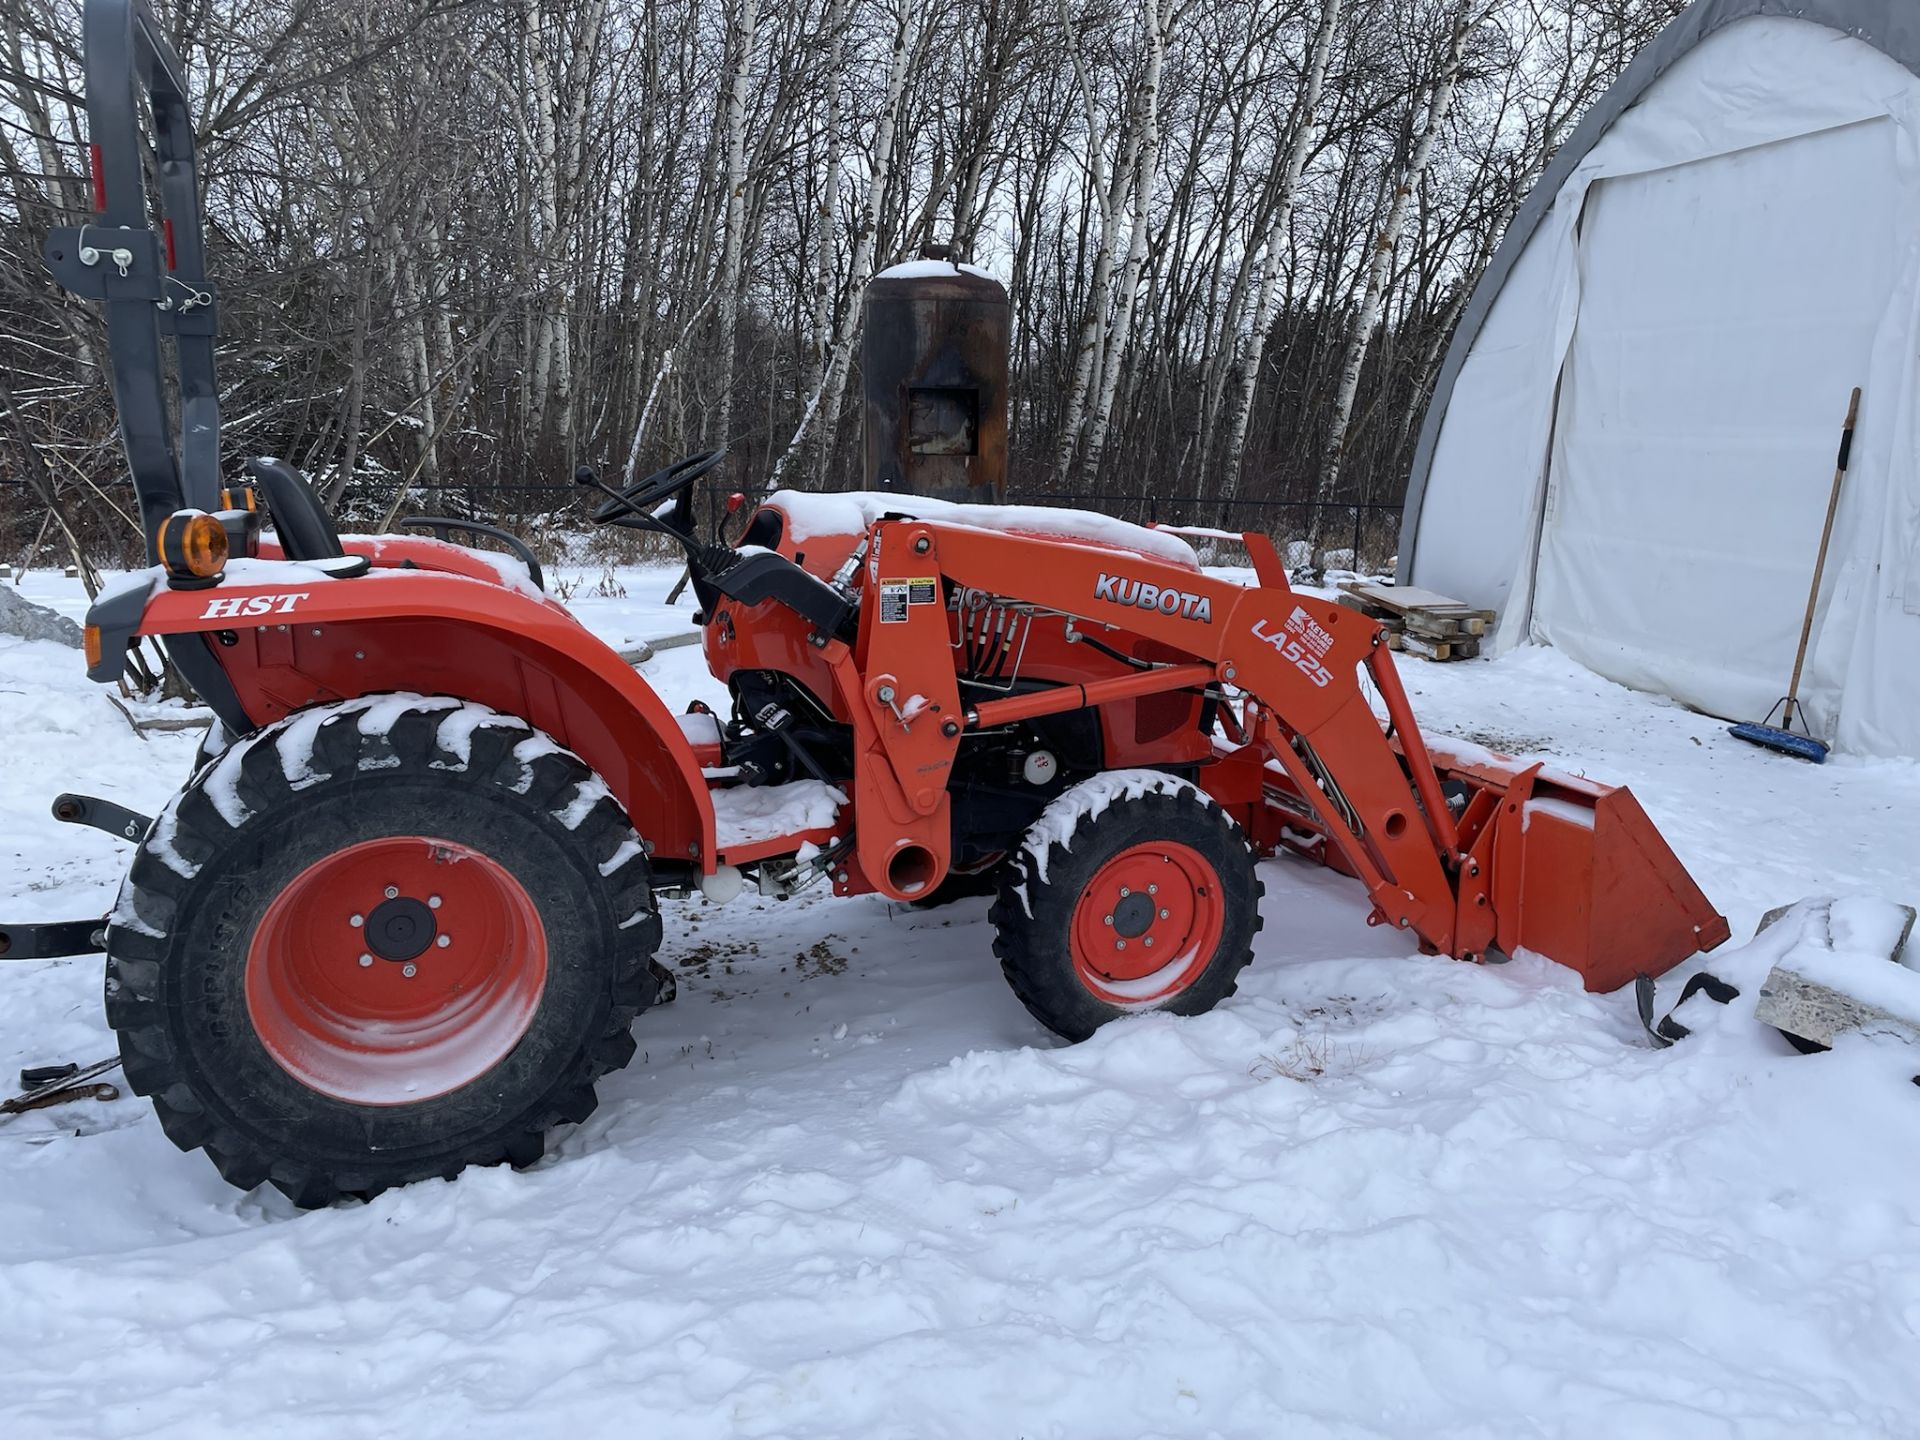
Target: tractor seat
x,y
305,529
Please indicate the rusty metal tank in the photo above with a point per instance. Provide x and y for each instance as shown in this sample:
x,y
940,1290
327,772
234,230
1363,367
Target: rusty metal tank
x,y
933,360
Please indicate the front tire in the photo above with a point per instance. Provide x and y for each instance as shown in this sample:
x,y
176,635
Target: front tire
x,y
1133,892
378,942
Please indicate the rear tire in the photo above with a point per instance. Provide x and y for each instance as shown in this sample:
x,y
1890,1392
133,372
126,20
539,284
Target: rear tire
x,y
1133,892
378,942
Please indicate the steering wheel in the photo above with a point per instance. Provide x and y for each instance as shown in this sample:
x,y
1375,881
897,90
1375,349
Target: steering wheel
x,y
644,496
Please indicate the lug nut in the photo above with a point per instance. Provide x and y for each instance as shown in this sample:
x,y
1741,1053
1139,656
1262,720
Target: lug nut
x,y
1109,919
1147,941
1153,889
393,892
1119,944
409,970
356,921
1125,892
444,941
365,961
433,902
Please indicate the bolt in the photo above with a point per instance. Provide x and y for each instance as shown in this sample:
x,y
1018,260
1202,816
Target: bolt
x,y
1153,889
1119,944
409,970
356,921
1227,673
393,892
365,961
1124,892
922,545
316,632
1148,940
359,654
885,692
1166,914
444,941
433,902
1109,919
949,728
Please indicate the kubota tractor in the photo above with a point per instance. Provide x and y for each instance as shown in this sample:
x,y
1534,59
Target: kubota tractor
x,y
404,913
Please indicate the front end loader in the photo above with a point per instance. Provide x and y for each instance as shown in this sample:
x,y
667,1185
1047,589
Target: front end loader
x,y
404,913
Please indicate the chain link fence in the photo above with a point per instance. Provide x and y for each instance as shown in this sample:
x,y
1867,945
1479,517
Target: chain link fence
x,y
1363,536
1351,536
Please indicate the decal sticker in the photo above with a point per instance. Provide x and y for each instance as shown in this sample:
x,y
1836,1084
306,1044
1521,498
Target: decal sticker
x,y
1167,601
1317,638
234,607
1300,640
897,595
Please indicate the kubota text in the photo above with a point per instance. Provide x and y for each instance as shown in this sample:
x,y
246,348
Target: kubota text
x,y
1168,601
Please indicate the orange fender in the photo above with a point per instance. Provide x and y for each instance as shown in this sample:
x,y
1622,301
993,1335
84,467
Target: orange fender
x,y
289,636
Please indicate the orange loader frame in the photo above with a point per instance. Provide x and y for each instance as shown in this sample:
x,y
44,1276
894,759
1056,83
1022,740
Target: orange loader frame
x,y
1523,859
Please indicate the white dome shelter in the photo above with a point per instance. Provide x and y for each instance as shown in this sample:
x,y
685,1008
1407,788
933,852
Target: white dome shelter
x,y
1631,443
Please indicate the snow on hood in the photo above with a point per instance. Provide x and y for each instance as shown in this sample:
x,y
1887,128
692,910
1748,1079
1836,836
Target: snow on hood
x,y
809,515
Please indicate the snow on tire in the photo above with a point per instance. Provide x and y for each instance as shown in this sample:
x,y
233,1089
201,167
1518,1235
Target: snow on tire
x,y
1133,891
377,942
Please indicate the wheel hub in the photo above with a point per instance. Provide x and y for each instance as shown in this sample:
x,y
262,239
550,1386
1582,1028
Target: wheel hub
x,y
403,1032
400,929
1148,923
1132,916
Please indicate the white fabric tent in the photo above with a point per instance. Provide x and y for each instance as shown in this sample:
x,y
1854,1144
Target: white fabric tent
x,y
1631,444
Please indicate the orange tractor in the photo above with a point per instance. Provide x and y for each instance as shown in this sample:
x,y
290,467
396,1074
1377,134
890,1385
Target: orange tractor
x,y
404,913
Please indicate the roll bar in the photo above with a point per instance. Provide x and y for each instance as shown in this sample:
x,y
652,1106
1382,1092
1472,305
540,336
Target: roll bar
x,y
153,281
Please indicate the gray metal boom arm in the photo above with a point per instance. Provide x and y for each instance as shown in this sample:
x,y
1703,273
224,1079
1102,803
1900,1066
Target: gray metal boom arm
x,y
153,281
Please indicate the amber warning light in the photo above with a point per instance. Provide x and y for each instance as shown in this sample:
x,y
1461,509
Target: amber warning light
x,y
193,547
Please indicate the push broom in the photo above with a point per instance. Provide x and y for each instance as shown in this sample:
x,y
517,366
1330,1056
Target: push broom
x,y
1781,737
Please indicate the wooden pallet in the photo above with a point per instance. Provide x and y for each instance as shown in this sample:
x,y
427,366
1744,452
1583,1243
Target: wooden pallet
x,y
1419,622
1426,649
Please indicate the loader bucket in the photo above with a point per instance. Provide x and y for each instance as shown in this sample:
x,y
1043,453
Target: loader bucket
x,y
1575,871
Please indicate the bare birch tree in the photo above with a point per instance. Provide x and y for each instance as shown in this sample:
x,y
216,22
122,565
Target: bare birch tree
x,y
1439,100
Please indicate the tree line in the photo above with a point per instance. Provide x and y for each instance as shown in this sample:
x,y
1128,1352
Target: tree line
x,y
465,245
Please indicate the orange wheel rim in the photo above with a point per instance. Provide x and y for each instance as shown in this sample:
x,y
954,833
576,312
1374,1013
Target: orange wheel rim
x,y
396,970
1148,924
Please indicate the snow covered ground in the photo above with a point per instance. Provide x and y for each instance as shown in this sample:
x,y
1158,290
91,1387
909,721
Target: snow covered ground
x,y
851,1189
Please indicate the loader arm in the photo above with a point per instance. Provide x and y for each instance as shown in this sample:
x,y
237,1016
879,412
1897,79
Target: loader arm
x,y
1528,861
1298,656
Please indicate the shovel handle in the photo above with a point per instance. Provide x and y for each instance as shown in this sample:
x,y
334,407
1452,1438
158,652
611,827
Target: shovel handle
x,y
1820,560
